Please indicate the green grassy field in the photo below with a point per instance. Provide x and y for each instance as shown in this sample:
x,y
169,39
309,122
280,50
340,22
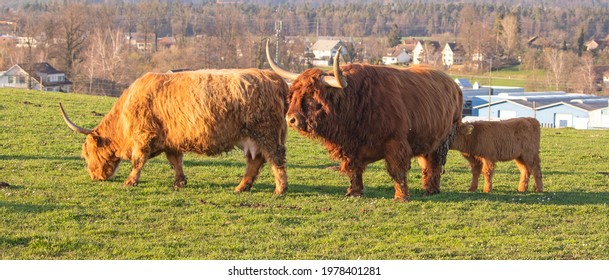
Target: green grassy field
x,y
531,80
50,209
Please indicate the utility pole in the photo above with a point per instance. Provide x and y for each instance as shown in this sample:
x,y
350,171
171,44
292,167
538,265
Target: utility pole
x,y
278,27
490,93
490,71
490,87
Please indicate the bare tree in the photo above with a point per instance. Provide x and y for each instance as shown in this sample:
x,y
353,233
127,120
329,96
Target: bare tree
x,y
510,34
483,46
151,13
28,31
230,44
180,18
130,21
467,31
584,78
559,64
49,29
531,59
431,54
105,60
72,35
5,49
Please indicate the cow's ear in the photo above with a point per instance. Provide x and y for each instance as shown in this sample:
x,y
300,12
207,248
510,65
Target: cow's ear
x,y
466,129
98,140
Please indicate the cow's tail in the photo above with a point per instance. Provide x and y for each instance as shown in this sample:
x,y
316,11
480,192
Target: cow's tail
x,y
445,146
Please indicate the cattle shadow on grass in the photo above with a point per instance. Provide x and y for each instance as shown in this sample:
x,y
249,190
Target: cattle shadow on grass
x,y
28,208
208,161
12,241
383,191
240,163
417,194
40,157
217,161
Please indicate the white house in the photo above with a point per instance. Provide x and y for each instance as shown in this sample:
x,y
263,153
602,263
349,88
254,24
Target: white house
x,y
426,52
479,57
597,45
38,76
141,42
26,42
324,51
396,55
452,54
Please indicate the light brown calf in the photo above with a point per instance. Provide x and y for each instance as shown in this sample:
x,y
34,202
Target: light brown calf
x,y
491,141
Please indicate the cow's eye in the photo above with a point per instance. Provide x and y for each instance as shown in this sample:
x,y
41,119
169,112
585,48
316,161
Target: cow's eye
x,y
313,104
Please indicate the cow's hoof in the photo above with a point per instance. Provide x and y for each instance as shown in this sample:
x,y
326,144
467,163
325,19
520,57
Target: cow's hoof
x,y
354,194
179,184
280,192
130,183
401,199
432,192
243,188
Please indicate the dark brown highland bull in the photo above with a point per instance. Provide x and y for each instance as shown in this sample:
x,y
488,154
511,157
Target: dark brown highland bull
x,y
364,113
206,112
514,139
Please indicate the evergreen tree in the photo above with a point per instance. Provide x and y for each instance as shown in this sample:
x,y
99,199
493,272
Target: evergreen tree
x,y
395,36
580,42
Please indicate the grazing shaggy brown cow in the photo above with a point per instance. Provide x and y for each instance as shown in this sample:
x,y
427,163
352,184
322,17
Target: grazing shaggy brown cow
x,y
208,112
488,142
365,113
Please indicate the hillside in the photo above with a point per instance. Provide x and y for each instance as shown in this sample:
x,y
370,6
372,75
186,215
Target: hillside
x,y
314,3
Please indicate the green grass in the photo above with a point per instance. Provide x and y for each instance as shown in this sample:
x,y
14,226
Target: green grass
x,y
531,80
52,210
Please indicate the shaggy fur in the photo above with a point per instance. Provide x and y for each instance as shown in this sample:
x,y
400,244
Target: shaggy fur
x,y
206,112
383,113
514,139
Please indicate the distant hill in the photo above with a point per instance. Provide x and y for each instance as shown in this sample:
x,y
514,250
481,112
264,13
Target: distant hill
x,y
549,3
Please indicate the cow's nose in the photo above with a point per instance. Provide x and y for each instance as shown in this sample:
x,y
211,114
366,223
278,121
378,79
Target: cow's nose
x,y
291,120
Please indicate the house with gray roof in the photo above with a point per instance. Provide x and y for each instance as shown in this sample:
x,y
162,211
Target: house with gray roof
x,y
37,76
324,51
396,55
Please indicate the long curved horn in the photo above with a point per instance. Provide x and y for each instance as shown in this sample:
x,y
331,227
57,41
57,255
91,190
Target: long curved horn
x,y
280,71
338,81
71,124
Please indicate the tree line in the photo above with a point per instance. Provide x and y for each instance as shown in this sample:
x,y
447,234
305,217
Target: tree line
x,y
89,40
